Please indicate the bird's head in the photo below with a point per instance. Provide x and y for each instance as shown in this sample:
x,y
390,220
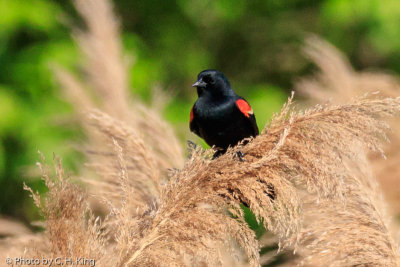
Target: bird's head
x,y
212,82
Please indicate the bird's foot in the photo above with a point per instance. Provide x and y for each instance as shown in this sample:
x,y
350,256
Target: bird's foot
x,y
240,156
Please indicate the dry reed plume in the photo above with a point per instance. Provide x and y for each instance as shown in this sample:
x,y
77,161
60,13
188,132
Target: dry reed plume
x,y
199,207
305,150
67,213
338,82
361,228
106,72
189,216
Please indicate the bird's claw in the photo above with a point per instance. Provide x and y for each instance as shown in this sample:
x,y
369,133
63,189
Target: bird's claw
x,y
240,156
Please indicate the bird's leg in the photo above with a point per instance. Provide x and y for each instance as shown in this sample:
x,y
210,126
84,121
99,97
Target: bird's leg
x,y
240,155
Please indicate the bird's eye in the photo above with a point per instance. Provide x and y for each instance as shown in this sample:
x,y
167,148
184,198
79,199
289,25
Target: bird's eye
x,y
208,79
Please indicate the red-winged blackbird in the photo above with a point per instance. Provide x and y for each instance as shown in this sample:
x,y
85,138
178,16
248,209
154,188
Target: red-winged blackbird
x,y
220,116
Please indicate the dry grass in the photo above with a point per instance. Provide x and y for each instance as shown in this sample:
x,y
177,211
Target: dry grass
x,y
353,233
332,231
308,164
338,82
302,156
71,228
107,89
297,150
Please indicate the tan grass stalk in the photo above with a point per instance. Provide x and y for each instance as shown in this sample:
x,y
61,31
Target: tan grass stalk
x,y
353,233
184,220
357,233
350,235
338,82
298,150
107,76
71,229
106,71
145,175
102,49
198,209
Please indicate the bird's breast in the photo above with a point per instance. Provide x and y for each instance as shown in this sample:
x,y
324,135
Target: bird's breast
x,y
210,111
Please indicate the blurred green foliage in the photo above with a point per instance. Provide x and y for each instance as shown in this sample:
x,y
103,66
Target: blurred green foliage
x,y
255,43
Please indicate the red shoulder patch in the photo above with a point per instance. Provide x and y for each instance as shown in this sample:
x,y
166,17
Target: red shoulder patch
x,y
191,115
244,107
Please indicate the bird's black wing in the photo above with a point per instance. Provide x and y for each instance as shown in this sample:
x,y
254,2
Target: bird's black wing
x,y
247,111
194,127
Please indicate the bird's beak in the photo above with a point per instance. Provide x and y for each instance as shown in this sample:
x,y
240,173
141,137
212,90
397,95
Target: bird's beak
x,y
199,83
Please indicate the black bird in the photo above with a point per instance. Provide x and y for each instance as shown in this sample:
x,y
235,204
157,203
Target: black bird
x,y
220,116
